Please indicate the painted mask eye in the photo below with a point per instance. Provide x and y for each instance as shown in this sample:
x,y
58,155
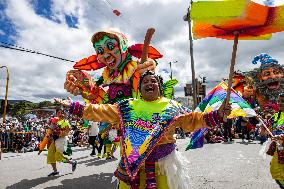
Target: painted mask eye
x,y
110,46
100,50
276,72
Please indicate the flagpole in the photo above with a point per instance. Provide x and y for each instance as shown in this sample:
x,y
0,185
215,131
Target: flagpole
x,y
232,66
266,128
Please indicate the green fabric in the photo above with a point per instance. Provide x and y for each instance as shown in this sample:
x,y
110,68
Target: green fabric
x,y
63,123
168,88
68,151
86,123
145,110
214,12
26,129
279,121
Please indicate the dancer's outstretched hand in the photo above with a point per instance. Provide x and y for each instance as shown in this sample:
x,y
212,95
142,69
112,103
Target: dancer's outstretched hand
x,y
66,103
149,64
77,82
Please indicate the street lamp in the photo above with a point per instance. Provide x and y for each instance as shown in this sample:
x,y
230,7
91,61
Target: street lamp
x,y
6,94
171,76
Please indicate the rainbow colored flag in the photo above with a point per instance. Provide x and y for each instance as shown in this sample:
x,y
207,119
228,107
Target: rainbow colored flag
x,y
212,102
214,99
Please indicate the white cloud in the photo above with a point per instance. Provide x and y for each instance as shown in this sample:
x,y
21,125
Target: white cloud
x,y
36,77
2,32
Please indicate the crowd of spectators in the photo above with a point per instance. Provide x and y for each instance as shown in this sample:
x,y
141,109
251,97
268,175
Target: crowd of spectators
x,y
21,137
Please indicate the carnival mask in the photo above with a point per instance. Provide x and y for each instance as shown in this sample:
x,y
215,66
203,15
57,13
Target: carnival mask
x,y
108,52
271,77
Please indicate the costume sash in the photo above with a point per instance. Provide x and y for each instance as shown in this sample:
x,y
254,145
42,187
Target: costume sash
x,y
144,123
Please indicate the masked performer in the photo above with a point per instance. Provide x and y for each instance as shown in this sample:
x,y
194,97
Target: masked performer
x,y
268,81
120,73
57,134
276,148
149,158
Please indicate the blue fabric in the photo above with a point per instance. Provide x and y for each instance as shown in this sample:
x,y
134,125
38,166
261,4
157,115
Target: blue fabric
x,y
197,139
264,59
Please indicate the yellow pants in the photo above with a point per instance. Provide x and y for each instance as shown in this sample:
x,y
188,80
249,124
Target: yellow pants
x,y
108,150
54,156
160,179
276,169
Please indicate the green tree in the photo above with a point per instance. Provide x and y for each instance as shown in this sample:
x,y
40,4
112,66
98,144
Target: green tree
x,y
45,103
19,109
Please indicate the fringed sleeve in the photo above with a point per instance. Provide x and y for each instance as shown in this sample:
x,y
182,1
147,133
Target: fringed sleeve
x,y
102,113
196,120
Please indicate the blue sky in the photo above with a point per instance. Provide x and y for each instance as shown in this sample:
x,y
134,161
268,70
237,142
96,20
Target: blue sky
x,y
43,8
7,31
63,28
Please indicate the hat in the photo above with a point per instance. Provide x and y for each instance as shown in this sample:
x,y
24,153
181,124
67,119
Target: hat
x,y
121,39
264,59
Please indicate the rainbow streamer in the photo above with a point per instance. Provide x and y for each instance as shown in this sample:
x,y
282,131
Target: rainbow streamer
x,y
222,18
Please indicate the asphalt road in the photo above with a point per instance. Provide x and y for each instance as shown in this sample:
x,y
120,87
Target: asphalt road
x,y
215,166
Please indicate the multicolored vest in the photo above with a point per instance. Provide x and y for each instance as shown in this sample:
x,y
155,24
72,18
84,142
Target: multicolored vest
x,y
144,124
278,123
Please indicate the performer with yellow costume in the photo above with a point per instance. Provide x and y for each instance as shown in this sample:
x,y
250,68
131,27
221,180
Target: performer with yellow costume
x,y
57,142
276,148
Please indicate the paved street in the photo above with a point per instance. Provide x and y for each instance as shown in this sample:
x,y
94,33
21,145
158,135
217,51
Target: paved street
x,y
228,166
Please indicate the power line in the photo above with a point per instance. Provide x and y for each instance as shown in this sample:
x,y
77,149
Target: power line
x,y
22,49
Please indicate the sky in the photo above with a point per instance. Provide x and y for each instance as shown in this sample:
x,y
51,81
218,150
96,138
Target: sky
x,y
63,28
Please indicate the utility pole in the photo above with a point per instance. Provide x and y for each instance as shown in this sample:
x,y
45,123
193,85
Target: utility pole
x,y
188,19
171,76
6,94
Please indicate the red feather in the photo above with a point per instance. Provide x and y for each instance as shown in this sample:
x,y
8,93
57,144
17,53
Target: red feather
x,y
136,50
88,64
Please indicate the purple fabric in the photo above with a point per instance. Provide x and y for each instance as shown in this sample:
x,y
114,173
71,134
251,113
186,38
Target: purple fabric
x,y
119,90
160,152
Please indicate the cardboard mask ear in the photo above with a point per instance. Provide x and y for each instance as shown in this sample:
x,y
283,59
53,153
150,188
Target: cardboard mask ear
x,y
89,64
136,50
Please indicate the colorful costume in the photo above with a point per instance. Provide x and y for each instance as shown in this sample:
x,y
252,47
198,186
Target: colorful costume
x,y
119,74
58,142
276,149
148,146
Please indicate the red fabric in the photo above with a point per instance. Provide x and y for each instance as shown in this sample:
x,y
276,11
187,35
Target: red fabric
x,y
136,50
89,64
250,126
